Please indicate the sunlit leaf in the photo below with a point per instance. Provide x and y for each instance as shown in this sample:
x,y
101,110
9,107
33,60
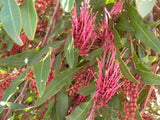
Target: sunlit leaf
x,y
11,20
144,6
67,5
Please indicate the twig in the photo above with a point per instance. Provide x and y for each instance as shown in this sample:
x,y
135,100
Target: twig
x,y
9,110
51,25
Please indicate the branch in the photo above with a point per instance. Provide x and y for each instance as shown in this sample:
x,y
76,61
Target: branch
x,y
9,110
51,25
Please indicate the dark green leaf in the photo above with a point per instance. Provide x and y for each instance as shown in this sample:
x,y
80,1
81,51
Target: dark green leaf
x,y
62,24
142,96
67,5
93,55
8,93
70,52
57,63
55,85
125,70
61,104
123,24
41,71
142,31
80,112
11,20
87,90
138,115
29,18
144,6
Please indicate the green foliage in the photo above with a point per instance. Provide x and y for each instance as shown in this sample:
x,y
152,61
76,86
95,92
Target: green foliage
x,y
142,31
67,5
81,111
144,6
55,85
29,18
11,20
41,72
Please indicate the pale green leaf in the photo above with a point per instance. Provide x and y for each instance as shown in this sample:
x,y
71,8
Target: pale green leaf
x,y
29,18
145,6
67,5
11,20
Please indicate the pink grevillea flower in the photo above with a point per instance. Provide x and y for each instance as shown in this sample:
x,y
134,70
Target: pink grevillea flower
x,y
108,78
116,9
83,29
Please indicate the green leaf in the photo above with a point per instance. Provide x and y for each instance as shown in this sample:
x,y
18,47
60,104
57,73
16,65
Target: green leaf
x,y
41,71
93,55
48,114
138,115
11,20
61,25
19,59
145,6
55,85
14,106
142,31
43,51
61,104
67,5
109,1
123,24
142,96
123,67
29,18
9,92
70,52
57,63
80,112
147,76
87,90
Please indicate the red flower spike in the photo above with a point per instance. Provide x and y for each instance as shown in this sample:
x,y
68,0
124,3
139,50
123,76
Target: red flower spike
x,y
107,82
83,29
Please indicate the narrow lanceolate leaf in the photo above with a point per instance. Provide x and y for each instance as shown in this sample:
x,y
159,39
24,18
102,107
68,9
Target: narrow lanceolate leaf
x,y
14,106
19,59
123,67
70,52
87,90
55,85
11,20
57,63
67,5
80,112
43,51
147,76
61,104
41,72
142,31
29,18
12,89
144,6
